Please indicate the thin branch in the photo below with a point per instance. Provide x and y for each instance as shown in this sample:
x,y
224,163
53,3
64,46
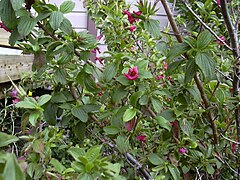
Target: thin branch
x,y
205,25
227,77
196,78
230,139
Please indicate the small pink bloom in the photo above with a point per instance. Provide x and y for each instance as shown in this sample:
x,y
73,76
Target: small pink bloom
x,y
132,48
126,12
14,93
99,60
182,150
99,37
130,125
234,147
131,19
138,13
100,93
95,50
165,66
159,77
132,73
169,78
222,38
141,138
132,28
4,27
219,2
16,100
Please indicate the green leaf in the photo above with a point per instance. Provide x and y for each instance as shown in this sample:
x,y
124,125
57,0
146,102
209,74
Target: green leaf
x,y
129,114
157,104
122,144
153,27
207,65
50,113
44,99
79,130
7,14
67,7
26,25
173,66
204,39
51,48
210,169
191,70
178,49
33,117
14,37
124,81
76,153
17,4
155,159
80,113
60,76
111,130
186,127
56,18
110,71
135,97
57,165
93,153
26,104
193,90
6,139
119,93
85,176
163,123
35,170
174,172
145,75
12,171
66,26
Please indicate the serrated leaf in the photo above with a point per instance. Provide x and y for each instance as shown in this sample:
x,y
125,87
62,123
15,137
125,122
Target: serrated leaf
x,y
52,46
25,25
204,39
178,49
93,153
110,71
173,66
80,113
191,70
7,14
163,123
57,165
129,114
174,172
67,6
56,18
153,27
207,65
66,26
157,104
17,4
134,97
60,76
76,153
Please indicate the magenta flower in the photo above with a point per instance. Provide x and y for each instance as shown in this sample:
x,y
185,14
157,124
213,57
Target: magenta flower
x,y
99,37
95,50
165,65
126,12
159,77
132,28
132,73
234,147
219,2
99,60
4,27
141,138
131,19
130,125
14,93
222,38
138,13
182,150
16,100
